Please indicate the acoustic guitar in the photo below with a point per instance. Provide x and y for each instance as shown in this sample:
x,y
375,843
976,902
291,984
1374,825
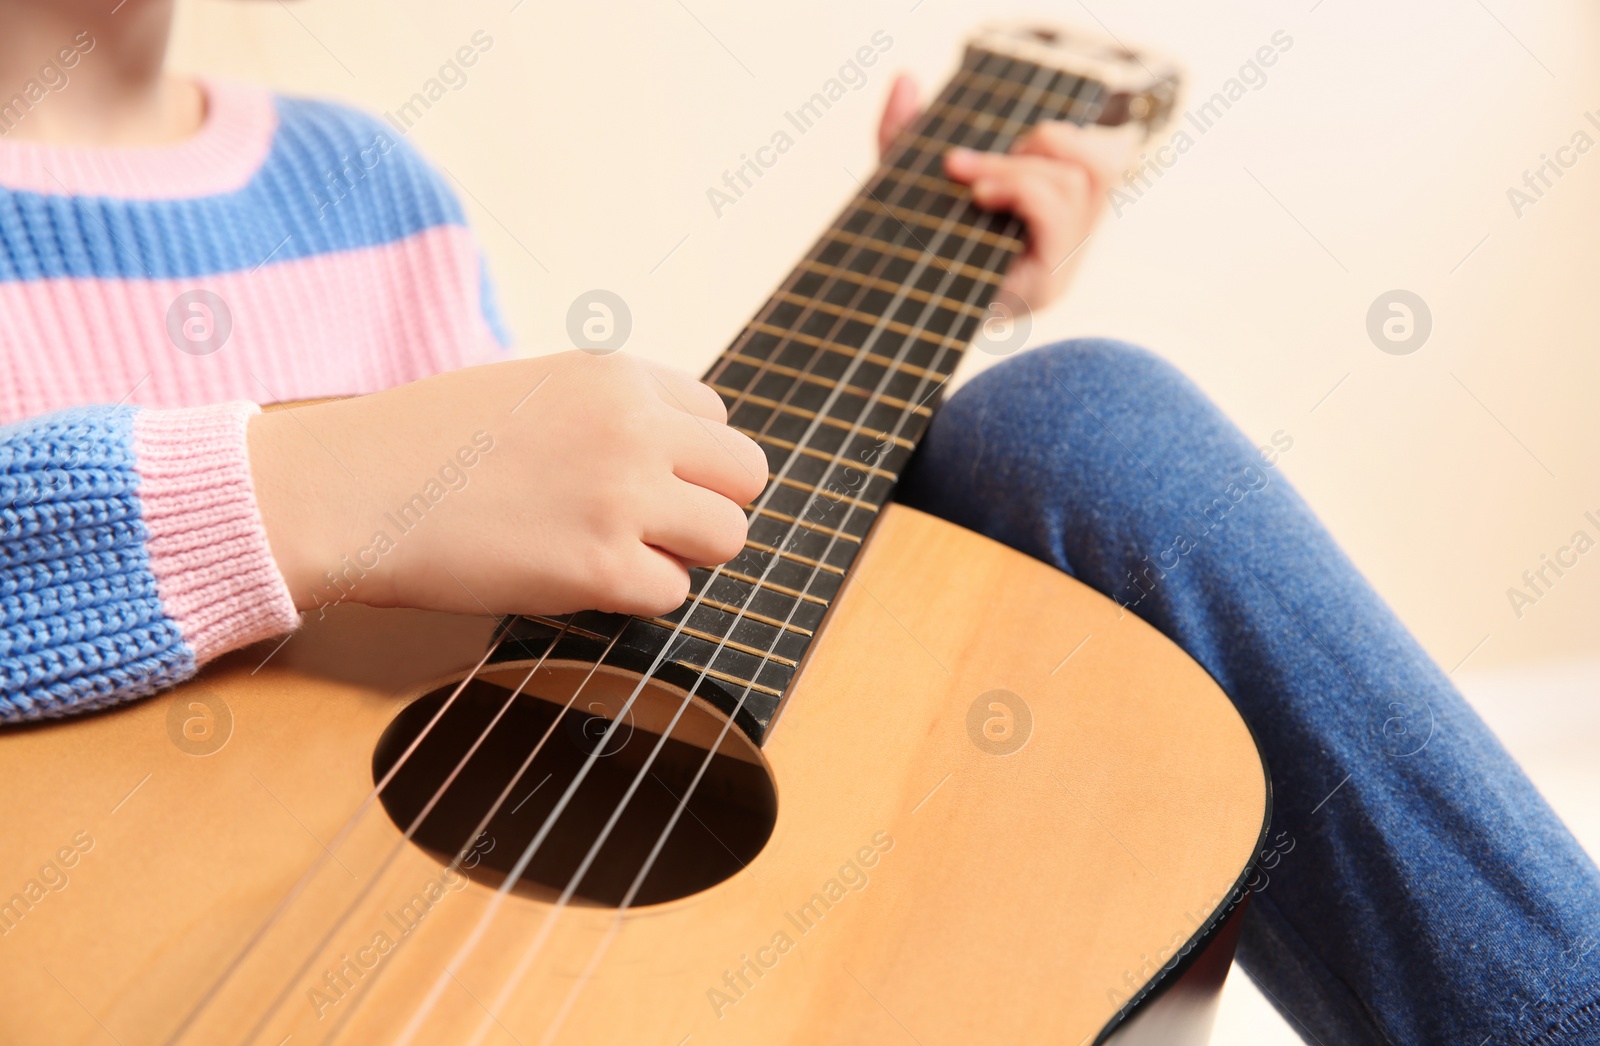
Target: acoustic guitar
x,y
879,779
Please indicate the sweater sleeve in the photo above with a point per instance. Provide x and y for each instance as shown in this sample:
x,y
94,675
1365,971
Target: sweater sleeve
x,y
131,553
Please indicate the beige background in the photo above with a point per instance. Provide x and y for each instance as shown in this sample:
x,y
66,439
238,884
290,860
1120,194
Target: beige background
x,y
1376,156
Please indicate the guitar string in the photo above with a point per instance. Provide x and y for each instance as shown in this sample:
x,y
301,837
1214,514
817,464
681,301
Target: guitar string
x,y
762,368
481,927
617,919
928,311
858,426
501,631
522,967
485,819
960,85
765,659
483,823
411,830
365,805
890,161
682,803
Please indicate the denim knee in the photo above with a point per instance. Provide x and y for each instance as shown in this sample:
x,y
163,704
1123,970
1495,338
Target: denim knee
x,y
1105,362
1108,428
1115,405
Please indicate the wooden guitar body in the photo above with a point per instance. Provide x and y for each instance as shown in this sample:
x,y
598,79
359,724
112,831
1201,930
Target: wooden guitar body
x,y
1002,804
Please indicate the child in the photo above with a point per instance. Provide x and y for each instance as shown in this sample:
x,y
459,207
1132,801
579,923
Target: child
x,y
168,261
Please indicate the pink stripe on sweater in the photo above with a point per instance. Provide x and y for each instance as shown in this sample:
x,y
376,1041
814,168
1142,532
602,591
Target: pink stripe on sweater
x,y
221,157
362,320
207,545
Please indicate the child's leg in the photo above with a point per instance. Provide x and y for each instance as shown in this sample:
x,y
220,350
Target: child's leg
x,y
1430,894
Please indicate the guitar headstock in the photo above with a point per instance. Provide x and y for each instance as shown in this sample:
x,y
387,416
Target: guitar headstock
x,y
1144,86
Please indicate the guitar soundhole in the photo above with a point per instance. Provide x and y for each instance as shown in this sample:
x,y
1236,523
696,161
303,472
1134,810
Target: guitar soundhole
x,y
726,821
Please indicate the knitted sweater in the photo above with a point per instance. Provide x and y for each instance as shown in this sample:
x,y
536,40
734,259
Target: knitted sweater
x,y
149,299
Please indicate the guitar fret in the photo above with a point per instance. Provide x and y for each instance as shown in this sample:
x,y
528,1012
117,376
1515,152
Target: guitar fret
x,y
867,317
864,280
728,677
900,250
801,543
763,401
958,194
994,100
1062,90
925,351
784,517
845,350
832,496
729,608
723,641
794,557
811,379
821,584
1003,124
813,453
927,151
799,613
898,441
796,343
876,399
737,396
944,225
1070,103
988,90
570,628
979,95
775,587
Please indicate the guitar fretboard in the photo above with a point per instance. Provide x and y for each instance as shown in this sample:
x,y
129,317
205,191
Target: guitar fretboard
x,y
836,378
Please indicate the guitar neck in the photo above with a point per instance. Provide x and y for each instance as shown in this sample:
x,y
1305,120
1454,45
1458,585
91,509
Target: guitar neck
x,y
836,378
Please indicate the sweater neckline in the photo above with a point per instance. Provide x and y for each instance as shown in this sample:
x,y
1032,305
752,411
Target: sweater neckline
x,y
222,156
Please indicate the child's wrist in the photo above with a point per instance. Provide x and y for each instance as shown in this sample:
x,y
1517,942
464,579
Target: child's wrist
x,y
280,467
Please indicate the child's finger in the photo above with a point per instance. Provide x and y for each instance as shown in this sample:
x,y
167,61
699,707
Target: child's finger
x,y
1038,196
901,108
1104,151
992,173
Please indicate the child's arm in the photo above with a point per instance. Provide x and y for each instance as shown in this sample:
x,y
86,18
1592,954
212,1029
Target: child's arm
x,y
131,551
135,545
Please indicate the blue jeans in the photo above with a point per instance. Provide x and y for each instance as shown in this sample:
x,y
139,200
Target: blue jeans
x,y
1429,895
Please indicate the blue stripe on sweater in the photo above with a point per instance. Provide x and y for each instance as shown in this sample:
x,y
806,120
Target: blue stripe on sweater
x,y
81,620
334,179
